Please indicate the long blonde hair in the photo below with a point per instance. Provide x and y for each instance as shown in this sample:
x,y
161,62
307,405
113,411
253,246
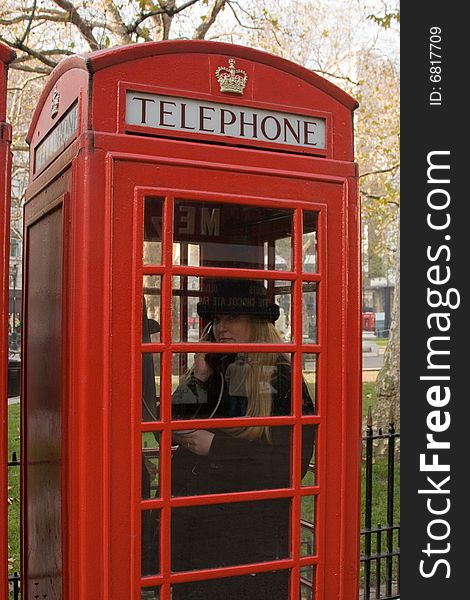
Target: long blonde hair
x,y
259,379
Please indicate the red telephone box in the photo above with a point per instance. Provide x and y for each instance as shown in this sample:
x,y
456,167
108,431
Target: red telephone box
x,y
6,56
160,173
368,321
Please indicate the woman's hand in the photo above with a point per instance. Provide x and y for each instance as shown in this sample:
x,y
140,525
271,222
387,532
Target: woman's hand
x,y
202,370
198,441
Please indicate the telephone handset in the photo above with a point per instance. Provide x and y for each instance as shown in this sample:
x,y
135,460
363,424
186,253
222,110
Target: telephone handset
x,y
216,360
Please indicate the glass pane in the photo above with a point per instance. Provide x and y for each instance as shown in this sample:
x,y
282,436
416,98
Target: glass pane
x,y
309,437
151,309
197,301
150,464
235,533
309,242
307,583
152,251
186,254
150,559
283,254
150,387
150,594
214,385
184,318
307,526
254,586
309,313
234,235
283,297
309,375
230,460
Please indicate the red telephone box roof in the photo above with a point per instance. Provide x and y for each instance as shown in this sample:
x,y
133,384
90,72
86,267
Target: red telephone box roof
x,y
6,56
104,59
186,70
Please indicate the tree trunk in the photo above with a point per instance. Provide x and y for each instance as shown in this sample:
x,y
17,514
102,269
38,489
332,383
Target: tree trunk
x,y
388,380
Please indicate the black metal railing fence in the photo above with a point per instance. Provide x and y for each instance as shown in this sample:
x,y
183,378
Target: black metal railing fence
x,y
380,542
14,578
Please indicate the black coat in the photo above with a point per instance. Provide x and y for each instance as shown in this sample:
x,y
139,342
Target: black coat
x,y
241,532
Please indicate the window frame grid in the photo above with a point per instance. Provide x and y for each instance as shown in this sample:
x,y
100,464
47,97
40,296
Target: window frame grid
x,y
166,348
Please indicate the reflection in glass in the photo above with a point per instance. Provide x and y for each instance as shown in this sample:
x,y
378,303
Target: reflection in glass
x,y
254,586
309,313
283,254
186,254
150,593
309,375
283,297
234,533
152,251
184,318
233,235
309,242
150,542
196,300
152,309
307,582
150,464
309,437
237,461
307,526
150,387
237,385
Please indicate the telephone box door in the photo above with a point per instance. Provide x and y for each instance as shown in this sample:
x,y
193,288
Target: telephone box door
x,y
179,226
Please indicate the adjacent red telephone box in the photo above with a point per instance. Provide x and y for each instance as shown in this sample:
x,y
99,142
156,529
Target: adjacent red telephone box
x,y
6,56
159,171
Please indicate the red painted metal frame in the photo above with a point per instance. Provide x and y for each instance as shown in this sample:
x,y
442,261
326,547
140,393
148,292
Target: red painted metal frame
x,y
295,421
6,56
107,174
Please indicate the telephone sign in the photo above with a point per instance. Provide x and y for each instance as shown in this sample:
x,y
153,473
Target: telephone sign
x,y
226,120
191,331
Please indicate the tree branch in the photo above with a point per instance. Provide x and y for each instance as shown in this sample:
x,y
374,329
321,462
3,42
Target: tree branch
x,y
237,18
19,45
30,20
118,26
171,12
167,17
378,171
380,197
335,76
75,18
209,19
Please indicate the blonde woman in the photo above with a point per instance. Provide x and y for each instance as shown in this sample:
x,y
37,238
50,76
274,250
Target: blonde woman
x,y
235,459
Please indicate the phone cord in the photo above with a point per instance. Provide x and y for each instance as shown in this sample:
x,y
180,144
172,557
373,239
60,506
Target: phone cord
x,y
219,400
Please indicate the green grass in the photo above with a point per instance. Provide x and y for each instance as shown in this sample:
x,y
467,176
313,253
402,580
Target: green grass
x,y
369,397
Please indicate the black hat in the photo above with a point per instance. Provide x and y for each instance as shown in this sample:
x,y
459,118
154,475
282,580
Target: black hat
x,y
236,296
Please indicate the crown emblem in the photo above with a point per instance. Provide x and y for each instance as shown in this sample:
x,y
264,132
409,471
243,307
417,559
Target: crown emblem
x,y
55,103
231,79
